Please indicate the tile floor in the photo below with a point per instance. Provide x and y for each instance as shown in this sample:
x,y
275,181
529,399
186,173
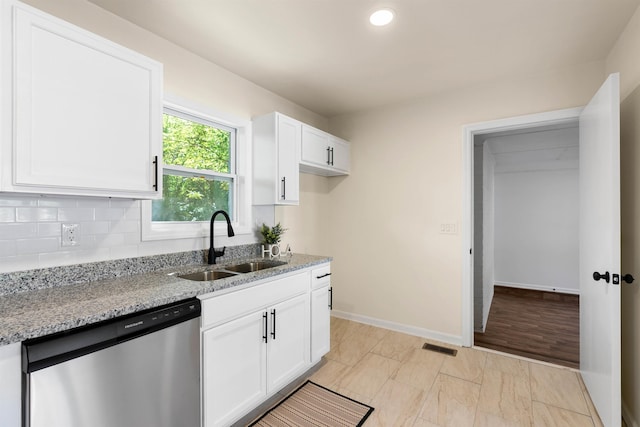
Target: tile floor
x,y
409,386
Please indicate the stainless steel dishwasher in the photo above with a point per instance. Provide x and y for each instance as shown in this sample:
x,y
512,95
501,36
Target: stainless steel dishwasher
x,y
141,370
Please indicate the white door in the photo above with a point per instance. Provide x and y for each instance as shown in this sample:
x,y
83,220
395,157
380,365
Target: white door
x,y
320,323
233,369
600,250
289,344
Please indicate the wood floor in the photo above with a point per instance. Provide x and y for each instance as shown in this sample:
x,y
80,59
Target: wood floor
x,y
539,325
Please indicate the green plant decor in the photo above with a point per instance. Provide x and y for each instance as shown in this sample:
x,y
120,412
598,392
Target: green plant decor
x,y
272,235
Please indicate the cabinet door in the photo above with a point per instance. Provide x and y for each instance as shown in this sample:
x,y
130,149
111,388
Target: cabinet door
x,y
315,146
289,134
340,154
233,369
320,323
86,115
288,349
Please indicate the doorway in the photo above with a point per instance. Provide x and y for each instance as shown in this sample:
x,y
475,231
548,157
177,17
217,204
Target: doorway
x,y
474,136
526,242
599,250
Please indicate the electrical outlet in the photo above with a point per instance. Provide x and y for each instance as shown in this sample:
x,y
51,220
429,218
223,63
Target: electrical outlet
x,y
70,234
449,228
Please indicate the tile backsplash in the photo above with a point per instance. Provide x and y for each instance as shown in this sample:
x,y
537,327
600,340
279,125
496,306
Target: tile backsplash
x,y
31,232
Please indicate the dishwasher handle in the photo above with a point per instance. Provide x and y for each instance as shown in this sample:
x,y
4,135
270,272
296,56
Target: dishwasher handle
x,y
40,353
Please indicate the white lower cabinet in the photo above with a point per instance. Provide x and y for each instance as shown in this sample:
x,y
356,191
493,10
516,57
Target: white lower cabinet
x,y
321,323
254,342
234,369
321,304
288,341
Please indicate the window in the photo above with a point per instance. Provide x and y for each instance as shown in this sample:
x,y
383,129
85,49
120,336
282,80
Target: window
x,y
205,167
199,169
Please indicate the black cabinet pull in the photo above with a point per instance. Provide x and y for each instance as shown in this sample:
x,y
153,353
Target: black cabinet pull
x,y
597,276
324,275
329,155
330,298
273,316
264,322
284,187
155,163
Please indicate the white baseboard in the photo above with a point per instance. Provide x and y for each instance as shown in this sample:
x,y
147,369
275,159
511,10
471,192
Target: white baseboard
x,y
539,287
400,327
628,417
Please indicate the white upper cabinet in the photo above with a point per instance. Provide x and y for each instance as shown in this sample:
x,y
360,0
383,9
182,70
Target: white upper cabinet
x,y
80,115
323,154
276,144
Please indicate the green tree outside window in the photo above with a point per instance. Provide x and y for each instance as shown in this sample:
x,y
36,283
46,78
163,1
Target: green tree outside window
x,y
198,175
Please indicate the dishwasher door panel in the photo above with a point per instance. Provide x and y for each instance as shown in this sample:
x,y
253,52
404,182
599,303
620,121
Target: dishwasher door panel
x,y
149,381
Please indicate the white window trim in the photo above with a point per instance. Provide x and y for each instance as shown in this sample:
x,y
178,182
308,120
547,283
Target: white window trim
x,y
242,223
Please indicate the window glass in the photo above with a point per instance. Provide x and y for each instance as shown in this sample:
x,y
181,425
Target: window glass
x,y
198,171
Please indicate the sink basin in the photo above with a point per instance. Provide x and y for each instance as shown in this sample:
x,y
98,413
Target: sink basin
x,y
208,275
249,267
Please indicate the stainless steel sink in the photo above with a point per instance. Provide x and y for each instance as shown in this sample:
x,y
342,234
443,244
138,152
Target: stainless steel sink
x,y
249,267
205,276
229,270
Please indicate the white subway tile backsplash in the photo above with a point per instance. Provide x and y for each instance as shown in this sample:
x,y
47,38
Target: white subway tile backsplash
x,y
16,201
95,227
7,248
110,240
90,202
17,263
7,214
109,214
47,202
125,227
30,232
36,214
14,230
35,246
125,251
49,229
123,203
75,214
54,259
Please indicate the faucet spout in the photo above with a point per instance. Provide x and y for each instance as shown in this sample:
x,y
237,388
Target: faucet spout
x,y
212,251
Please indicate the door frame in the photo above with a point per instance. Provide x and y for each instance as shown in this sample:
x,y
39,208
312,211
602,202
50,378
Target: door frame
x,y
530,121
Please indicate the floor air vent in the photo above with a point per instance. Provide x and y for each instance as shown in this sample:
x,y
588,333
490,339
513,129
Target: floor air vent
x,y
438,349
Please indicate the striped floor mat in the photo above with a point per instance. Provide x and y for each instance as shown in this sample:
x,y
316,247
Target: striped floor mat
x,y
314,405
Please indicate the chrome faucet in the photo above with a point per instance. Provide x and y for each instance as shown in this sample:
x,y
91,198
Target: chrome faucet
x,y
212,252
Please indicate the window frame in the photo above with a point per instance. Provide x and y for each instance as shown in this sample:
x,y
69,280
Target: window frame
x,y
240,164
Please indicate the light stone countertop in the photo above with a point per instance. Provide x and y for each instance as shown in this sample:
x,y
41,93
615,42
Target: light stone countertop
x,y
40,312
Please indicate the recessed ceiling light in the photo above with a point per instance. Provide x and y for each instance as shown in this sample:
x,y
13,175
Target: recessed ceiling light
x,y
381,17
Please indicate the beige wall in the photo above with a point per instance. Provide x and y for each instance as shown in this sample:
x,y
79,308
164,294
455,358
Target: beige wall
x,y
406,180
307,224
625,58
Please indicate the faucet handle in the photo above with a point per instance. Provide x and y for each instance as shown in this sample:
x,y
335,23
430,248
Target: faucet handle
x,y
220,253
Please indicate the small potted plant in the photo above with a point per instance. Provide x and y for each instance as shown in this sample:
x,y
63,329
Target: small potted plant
x,y
271,238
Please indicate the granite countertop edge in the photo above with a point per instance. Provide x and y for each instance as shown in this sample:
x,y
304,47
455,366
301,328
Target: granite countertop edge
x,y
41,312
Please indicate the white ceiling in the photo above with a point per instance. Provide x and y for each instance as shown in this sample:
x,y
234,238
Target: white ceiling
x,y
325,56
544,148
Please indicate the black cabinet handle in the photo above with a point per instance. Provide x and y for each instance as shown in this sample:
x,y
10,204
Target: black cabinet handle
x,y
329,155
330,298
284,187
155,163
324,275
264,322
273,317
597,276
